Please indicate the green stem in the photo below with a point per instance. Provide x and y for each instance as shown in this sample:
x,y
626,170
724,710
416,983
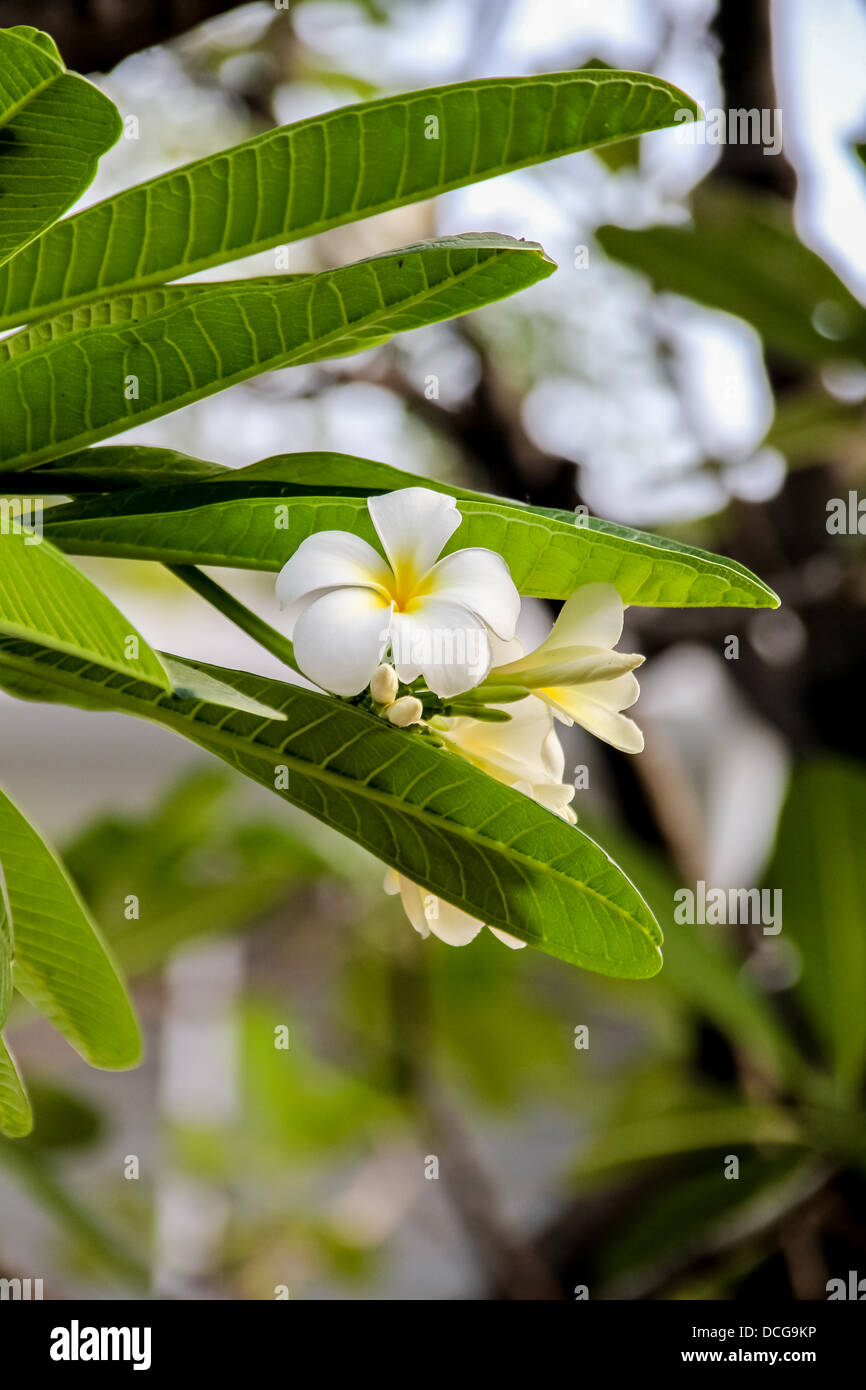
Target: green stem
x,y
237,613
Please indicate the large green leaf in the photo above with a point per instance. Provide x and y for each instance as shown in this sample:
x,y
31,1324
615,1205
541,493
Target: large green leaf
x,y
742,255
54,126
449,827
16,1117
61,963
45,598
231,331
818,864
348,164
249,519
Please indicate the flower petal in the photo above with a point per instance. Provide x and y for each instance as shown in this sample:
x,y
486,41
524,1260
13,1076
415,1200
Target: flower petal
x,y
607,724
549,666
507,939
427,913
444,642
413,524
617,694
329,560
392,882
480,580
339,639
525,749
452,925
412,898
591,617
553,797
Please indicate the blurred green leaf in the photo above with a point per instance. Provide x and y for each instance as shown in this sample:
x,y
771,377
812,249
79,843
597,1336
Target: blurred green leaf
x,y
298,1103
811,426
660,1136
693,1216
64,1121
198,863
704,971
819,866
742,255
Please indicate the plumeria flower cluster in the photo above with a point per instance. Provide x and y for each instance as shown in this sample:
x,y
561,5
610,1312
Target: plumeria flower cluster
x,y
443,627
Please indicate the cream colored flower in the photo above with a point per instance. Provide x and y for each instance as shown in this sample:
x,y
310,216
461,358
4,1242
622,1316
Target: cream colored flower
x,y
526,754
347,605
576,671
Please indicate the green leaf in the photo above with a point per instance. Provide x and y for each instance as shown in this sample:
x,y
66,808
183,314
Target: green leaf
x,y
432,816
810,426
548,552
119,309
661,1136
54,126
705,973
201,863
189,682
61,963
818,866
6,955
743,256
696,1212
231,331
110,468
320,173
45,598
16,1117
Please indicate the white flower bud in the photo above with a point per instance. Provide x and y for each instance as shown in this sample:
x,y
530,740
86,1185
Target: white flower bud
x,y
384,685
405,711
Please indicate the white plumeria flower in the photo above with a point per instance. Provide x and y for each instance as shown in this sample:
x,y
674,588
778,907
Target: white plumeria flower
x,y
527,755
346,604
576,671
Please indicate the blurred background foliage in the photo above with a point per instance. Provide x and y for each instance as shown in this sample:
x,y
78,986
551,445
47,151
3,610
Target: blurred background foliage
x,y
330,1107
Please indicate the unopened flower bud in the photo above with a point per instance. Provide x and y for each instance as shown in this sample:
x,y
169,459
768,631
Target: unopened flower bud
x,y
384,685
405,711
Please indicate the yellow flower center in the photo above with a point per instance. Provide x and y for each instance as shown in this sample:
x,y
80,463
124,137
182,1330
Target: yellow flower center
x,y
408,588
